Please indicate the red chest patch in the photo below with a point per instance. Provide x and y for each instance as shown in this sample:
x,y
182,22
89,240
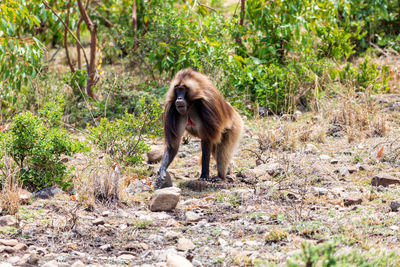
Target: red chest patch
x,y
190,122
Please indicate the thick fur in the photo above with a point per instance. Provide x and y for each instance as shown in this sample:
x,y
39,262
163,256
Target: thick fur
x,y
216,120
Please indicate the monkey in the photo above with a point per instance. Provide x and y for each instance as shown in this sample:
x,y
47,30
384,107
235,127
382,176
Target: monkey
x,y
193,104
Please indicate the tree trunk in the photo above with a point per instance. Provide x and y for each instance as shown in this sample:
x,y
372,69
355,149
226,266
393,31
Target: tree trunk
x,y
93,41
134,15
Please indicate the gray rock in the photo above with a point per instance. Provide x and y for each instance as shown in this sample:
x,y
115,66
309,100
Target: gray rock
x,y
192,217
274,169
126,257
384,179
365,168
310,149
78,263
320,191
175,260
165,199
136,187
351,200
106,247
9,242
325,157
14,259
48,192
172,235
395,205
156,154
8,220
52,263
98,221
185,244
25,196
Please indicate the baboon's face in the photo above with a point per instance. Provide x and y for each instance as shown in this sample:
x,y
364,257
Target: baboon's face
x,y
181,102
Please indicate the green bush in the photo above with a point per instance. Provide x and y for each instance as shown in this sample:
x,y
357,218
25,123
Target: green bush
x,y
123,139
327,254
368,75
36,144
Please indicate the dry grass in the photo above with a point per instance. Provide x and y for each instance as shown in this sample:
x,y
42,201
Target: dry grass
x,y
286,135
98,182
10,201
358,119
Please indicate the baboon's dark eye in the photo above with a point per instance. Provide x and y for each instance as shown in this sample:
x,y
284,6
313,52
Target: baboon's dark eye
x,y
181,87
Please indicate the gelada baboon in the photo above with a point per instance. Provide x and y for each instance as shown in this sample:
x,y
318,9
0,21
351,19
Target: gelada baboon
x,y
194,104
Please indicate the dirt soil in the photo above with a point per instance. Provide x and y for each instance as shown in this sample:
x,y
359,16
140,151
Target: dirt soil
x,y
296,179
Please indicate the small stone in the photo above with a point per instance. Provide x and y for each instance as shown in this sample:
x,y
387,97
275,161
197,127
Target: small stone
x,y
192,217
9,242
222,242
310,149
25,196
324,157
156,154
126,257
8,220
365,168
352,169
319,191
342,171
14,259
274,169
352,200
395,205
106,213
394,228
384,179
334,161
106,247
175,260
20,246
98,221
172,235
165,199
78,263
31,258
5,264
9,249
185,244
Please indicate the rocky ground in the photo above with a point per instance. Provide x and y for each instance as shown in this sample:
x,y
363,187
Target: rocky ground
x,y
306,189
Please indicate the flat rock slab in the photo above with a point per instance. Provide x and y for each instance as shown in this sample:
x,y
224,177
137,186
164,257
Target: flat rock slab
x,y
175,260
384,179
352,200
165,199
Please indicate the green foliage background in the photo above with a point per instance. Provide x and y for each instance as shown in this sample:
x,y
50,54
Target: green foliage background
x,y
283,57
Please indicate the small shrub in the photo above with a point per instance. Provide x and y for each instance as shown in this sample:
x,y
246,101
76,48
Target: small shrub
x,y
36,144
122,138
276,235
